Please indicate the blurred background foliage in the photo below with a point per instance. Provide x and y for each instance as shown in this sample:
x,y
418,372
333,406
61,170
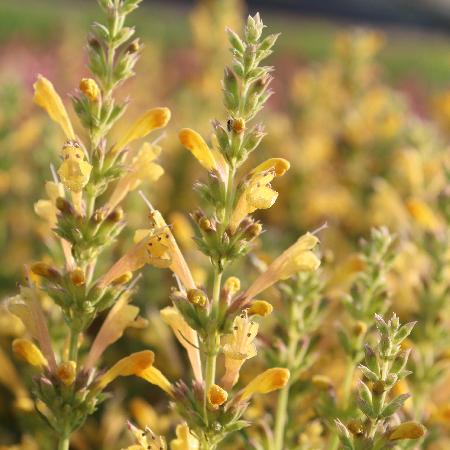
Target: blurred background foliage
x,y
361,111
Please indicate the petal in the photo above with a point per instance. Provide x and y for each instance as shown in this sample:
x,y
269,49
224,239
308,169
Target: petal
x,y
133,364
198,147
29,352
151,120
268,381
154,376
121,316
47,98
279,165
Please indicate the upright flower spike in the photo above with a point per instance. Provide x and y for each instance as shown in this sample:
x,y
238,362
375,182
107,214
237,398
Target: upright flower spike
x,y
184,440
186,336
238,347
47,98
268,381
133,364
258,193
297,258
151,120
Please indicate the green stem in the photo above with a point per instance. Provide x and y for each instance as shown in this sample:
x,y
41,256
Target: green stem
x,y
63,443
282,404
73,346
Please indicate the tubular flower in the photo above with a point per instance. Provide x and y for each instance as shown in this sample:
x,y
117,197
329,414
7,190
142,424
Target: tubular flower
x,y
90,89
29,352
47,98
155,246
297,258
141,168
74,170
260,308
187,337
26,306
146,439
121,316
184,439
407,430
67,372
268,381
154,376
198,147
46,209
258,194
133,364
151,120
238,347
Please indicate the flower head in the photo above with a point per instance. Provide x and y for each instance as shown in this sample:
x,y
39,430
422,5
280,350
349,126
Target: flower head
x,y
74,170
46,97
151,120
238,347
258,193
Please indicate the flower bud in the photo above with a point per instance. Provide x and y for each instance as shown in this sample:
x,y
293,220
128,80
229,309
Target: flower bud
x,y
77,276
355,427
64,206
232,285
90,89
197,297
407,430
260,308
322,382
238,125
98,216
67,372
217,396
205,224
134,46
360,328
253,231
116,215
45,270
378,387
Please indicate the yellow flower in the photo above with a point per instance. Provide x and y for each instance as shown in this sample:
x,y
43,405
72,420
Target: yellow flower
x,y
46,209
238,347
47,98
199,148
423,214
260,308
297,258
268,381
185,440
67,372
154,376
279,165
407,430
186,336
141,168
74,170
232,285
29,352
121,316
146,439
258,194
151,120
133,364
155,246
217,396
90,89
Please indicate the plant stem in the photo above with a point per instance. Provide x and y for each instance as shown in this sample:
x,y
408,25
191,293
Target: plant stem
x,y
282,404
63,443
73,346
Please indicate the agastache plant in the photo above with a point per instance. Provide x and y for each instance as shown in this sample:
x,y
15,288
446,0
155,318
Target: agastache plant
x,y
224,320
68,387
